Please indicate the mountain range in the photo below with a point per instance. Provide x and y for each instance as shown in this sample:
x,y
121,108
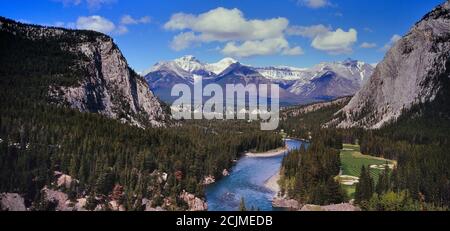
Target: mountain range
x,y
67,98
324,81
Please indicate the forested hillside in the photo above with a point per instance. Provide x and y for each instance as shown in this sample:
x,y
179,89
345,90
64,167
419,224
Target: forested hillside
x,y
84,70
308,174
110,160
418,141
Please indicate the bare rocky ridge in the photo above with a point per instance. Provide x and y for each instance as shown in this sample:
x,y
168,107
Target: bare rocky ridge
x,y
106,84
296,111
111,88
411,73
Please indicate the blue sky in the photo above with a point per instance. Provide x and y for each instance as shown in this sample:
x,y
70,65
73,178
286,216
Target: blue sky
x,y
297,33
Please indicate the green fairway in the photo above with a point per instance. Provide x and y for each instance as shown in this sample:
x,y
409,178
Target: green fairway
x,y
352,160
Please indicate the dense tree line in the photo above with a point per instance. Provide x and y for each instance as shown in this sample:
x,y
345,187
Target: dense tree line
x,y
38,138
303,125
308,174
419,140
101,152
385,195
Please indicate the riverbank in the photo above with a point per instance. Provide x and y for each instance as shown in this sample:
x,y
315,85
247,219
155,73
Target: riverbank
x,y
247,179
272,183
271,153
279,201
274,152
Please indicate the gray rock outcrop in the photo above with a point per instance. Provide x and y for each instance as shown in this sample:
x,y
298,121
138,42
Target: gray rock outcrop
x,y
12,202
411,73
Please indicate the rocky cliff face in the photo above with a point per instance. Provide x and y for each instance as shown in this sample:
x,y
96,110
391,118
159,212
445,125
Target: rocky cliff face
x,y
412,72
12,202
110,87
105,83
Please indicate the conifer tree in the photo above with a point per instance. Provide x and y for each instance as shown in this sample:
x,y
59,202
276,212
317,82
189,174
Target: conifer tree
x,y
242,207
383,184
364,189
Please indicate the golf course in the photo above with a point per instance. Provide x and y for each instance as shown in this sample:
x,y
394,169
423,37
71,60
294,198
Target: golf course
x,y
352,160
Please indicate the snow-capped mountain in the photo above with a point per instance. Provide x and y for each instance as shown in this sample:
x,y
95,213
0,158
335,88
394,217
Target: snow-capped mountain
x,y
222,65
283,73
188,65
299,85
332,80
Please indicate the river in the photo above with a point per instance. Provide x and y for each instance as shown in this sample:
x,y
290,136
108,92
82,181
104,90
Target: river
x,y
247,180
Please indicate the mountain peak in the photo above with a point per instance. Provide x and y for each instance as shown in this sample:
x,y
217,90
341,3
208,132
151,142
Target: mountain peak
x,y
349,62
187,58
222,65
228,60
189,63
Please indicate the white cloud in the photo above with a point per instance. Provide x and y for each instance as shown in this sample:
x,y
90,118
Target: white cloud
x,y
325,39
261,47
69,2
97,4
314,4
336,42
308,31
128,20
91,4
222,24
121,29
184,40
231,27
367,45
292,51
394,39
96,23
104,25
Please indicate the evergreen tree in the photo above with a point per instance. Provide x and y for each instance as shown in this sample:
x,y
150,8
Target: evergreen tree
x,y
364,188
383,184
334,193
242,207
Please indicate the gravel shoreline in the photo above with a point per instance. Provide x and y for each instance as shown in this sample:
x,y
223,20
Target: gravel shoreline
x,y
272,183
271,153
